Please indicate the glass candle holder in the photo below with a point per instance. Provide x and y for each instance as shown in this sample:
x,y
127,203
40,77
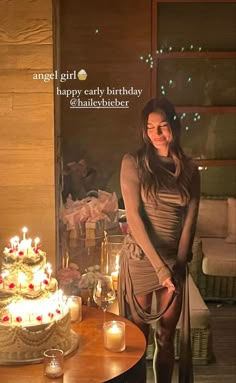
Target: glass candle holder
x,y
114,336
53,363
75,305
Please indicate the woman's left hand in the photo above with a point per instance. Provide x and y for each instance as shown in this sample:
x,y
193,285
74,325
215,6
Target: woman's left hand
x,y
179,273
169,285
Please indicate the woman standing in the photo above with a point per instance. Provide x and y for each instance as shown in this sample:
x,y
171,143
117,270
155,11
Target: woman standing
x,y
161,190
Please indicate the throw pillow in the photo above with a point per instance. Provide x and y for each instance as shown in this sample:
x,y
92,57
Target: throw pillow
x,y
231,237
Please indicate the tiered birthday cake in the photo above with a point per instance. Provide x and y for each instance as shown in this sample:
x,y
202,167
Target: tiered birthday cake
x,y
34,314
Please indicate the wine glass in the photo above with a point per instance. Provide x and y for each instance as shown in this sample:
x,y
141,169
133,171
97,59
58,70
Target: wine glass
x,y
104,293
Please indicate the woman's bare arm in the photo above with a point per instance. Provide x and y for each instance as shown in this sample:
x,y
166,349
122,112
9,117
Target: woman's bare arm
x,y
131,192
189,228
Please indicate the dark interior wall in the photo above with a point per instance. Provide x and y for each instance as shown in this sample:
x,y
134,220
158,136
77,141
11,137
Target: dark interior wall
x,y
106,39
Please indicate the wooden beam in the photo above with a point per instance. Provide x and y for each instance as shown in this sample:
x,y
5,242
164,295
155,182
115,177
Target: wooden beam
x,y
215,163
206,109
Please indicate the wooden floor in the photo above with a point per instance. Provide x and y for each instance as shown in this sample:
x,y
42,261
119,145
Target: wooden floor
x,y
222,369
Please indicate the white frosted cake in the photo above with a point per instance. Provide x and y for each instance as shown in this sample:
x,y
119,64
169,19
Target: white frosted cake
x,y
34,315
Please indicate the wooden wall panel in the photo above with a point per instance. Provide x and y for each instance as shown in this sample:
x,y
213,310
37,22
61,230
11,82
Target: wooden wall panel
x,y
35,57
18,81
107,41
27,186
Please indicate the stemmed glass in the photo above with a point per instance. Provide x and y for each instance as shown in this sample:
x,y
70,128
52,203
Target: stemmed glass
x,y
104,293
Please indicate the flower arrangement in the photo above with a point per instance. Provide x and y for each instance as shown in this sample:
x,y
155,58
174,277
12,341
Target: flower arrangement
x,y
88,279
73,283
68,279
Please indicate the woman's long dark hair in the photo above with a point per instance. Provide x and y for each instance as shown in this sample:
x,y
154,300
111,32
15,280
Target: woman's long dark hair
x,y
151,171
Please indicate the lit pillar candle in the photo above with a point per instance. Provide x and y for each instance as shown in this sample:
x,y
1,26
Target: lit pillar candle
x,y
114,276
115,273
114,336
75,305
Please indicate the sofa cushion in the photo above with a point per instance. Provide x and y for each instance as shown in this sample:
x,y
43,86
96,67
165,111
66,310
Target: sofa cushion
x,y
219,257
231,235
199,312
212,218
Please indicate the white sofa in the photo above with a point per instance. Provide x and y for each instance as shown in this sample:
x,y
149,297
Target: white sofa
x,y
214,252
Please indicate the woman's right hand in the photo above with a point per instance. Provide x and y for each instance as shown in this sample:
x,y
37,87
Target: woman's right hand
x,y
169,285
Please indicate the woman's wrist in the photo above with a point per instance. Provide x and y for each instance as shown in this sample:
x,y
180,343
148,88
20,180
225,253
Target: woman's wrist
x,y
163,273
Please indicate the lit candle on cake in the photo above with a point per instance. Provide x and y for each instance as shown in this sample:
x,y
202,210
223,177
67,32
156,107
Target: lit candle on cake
x,y
12,242
49,270
38,277
5,274
24,231
21,280
36,243
114,336
29,244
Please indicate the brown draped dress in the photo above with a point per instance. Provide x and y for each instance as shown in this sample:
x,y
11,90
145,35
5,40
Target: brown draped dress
x,y
161,232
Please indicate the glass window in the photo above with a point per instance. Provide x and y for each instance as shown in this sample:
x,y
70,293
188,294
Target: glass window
x,y
218,181
197,81
214,24
211,136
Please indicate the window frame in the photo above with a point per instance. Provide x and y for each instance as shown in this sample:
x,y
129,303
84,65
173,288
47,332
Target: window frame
x,y
189,55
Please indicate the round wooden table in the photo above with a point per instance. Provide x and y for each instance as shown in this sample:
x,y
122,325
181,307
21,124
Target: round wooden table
x,y
91,362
